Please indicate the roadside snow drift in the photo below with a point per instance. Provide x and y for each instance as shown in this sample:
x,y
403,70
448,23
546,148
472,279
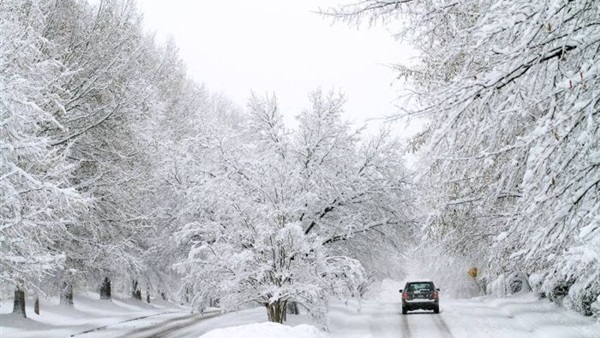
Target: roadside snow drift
x,y
267,330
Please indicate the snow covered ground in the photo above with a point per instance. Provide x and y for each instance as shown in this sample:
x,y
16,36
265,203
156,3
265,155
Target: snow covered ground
x,y
379,317
89,313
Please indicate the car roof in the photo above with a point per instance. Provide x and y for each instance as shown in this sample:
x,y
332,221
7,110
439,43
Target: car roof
x,y
419,281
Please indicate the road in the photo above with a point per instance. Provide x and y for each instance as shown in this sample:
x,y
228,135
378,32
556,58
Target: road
x,y
168,327
488,318
175,325
519,317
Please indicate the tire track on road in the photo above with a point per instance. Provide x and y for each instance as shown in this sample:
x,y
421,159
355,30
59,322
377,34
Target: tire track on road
x,y
167,331
441,324
101,328
424,325
167,327
405,327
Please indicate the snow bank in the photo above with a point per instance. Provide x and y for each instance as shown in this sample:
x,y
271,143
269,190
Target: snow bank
x,y
267,330
88,313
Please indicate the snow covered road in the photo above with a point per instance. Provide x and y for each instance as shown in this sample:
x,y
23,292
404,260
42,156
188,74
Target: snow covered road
x,y
424,325
516,317
381,317
385,320
167,327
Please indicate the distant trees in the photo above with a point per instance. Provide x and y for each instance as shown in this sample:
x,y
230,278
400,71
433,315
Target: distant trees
x,y
510,161
272,201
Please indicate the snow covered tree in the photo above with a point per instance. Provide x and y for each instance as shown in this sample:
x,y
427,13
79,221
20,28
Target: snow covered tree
x,y
100,127
510,154
272,203
99,102
81,85
37,202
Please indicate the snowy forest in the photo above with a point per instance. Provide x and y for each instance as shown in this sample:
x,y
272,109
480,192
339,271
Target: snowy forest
x,y
120,173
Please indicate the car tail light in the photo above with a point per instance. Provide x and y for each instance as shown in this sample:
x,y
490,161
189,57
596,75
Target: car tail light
x,y
435,295
405,296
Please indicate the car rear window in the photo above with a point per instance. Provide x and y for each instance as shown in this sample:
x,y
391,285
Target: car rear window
x,y
419,286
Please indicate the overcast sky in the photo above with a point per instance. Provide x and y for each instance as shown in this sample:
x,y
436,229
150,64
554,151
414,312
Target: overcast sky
x,y
281,47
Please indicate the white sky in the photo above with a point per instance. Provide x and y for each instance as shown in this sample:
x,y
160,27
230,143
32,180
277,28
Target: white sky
x,y
281,47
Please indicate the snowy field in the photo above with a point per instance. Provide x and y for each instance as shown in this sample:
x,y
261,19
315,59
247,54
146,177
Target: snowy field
x,y
378,317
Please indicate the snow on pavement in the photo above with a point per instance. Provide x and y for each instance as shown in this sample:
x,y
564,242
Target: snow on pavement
x,y
191,327
487,317
380,317
513,317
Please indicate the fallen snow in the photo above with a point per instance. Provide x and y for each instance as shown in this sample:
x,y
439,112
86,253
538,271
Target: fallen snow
x,y
267,330
517,316
88,313
379,316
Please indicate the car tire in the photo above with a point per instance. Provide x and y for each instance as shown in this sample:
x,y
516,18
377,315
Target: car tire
x,y
436,309
404,310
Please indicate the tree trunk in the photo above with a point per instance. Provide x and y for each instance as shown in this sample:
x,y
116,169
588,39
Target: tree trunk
x,y
136,293
276,311
148,294
19,302
105,289
66,294
36,306
292,308
284,319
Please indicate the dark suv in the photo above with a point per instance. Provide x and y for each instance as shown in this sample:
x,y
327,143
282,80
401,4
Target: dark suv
x,y
420,295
